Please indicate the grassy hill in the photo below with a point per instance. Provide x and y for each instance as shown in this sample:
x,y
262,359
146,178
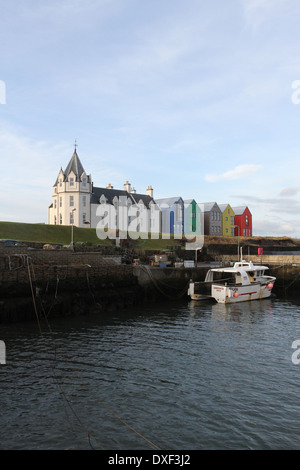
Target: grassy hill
x,y
61,234
43,233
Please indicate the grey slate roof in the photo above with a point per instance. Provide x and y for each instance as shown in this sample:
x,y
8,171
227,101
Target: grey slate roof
x,y
74,165
110,194
208,206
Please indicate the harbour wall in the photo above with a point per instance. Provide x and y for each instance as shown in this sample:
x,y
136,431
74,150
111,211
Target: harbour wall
x,y
41,284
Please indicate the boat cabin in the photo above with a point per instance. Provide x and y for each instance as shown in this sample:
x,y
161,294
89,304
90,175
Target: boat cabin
x,y
242,273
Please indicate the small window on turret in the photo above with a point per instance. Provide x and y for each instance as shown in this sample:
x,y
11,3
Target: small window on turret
x,y
71,181
84,181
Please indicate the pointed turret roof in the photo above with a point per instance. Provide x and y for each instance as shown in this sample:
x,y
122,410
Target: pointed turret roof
x,y
74,165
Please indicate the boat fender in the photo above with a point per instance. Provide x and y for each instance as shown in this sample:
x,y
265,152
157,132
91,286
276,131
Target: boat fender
x,y
270,285
236,294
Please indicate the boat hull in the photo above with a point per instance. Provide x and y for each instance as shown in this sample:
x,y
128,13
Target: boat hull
x,y
233,294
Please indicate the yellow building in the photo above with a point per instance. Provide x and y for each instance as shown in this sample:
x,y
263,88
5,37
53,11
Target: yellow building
x,y
227,220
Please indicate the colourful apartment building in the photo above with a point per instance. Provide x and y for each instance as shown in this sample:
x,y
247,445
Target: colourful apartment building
x,y
227,220
243,221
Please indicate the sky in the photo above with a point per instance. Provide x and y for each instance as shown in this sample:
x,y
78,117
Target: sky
x,y
198,99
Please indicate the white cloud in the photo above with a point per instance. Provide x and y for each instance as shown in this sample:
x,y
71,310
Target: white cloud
x,y
289,192
158,93
271,227
239,172
258,11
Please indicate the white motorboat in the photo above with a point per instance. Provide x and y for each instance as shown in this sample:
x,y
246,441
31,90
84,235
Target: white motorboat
x,y
241,282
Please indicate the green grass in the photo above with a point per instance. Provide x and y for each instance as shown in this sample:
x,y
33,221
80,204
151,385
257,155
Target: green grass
x,y
43,233
61,234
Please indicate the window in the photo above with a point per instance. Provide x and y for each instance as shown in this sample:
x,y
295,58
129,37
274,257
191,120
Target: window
x,y
60,219
84,218
54,203
247,220
60,182
71,200
60,202
55,220
71,181
84,181
71,218
84,201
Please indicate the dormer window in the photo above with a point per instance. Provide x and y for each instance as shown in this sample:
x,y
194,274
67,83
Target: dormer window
x,y
71,181
84,181
115,202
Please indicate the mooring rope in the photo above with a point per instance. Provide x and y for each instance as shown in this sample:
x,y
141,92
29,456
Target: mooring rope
x,y
90,435
155,282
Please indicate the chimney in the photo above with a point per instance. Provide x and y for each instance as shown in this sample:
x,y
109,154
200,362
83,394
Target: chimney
x,y
149,191
133,191
127,187
109,186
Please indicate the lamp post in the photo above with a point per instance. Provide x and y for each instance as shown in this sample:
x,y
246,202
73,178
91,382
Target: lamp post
x,y
196,257
72,232
238,239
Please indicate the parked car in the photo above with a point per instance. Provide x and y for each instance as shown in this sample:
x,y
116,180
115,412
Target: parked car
x,y
8,242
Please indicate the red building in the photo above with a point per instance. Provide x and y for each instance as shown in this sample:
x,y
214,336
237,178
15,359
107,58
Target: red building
x,y
243,221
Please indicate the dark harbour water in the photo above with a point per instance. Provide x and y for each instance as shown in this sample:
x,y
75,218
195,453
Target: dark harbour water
x,y
172,376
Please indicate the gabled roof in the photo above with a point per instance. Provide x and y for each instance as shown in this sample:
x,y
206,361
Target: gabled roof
x,y
189,201
224,206
208,206
110,194
169,201
144,197
239,210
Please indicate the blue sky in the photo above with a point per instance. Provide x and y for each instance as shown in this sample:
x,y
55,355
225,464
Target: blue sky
x,y
195,98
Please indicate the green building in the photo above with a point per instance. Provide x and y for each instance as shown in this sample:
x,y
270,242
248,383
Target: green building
x,y
192,218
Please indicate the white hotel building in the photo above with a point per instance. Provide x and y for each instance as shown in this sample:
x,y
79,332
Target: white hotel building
x,y
75,200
